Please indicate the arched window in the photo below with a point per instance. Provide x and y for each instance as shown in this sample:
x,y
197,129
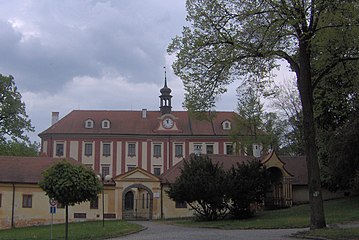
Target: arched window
x,y
89,123
226,125
105,124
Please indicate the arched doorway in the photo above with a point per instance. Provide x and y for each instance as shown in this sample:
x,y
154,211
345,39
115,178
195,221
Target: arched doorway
x,y
129,200
137,202
274,196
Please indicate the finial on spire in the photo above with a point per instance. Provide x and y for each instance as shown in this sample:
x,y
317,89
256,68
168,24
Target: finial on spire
x,y
165,76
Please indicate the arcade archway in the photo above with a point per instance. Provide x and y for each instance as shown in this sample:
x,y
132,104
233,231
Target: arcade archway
x,y
137,202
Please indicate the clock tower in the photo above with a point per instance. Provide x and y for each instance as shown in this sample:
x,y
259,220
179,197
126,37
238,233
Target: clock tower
x,y
165,98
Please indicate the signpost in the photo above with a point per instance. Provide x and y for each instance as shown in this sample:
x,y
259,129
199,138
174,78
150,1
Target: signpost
x,y
53,204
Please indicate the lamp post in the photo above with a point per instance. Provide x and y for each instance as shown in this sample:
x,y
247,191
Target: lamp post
x,y
103,180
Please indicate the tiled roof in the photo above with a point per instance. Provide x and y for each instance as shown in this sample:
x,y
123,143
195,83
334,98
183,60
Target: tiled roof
x,y
132,123
294,165
297,166
24,169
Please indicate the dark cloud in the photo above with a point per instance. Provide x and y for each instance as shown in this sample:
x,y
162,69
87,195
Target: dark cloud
x,y
50,42
88,54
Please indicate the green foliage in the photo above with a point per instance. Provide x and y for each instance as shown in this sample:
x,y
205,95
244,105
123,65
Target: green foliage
x,y
253,125
14,148
242,39
213,192
70,184
247,184
202,185
287,103
13,119
342,165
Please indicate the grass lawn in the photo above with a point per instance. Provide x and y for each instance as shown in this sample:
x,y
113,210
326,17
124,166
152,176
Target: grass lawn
x,y
330,233
336,211
82,230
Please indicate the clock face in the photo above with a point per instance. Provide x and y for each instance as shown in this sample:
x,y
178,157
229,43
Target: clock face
x,y
167,123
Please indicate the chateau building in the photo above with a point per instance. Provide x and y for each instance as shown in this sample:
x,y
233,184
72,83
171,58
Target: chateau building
x,y
115,142
142,152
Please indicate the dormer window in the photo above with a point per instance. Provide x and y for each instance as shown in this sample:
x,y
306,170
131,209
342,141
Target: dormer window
x,y
105,124
89,123
226,125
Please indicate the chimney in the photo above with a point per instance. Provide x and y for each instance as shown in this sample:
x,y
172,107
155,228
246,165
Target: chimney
x,y
144,113
55,118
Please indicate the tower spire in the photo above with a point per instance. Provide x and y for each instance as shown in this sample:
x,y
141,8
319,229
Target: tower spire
x,y
165,97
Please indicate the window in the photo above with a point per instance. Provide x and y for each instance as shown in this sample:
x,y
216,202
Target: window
x,y
181,204
0,199
130,167
59,149
157,150
79,215
105,124
157,170
88,149
143,200
105,170
89,123
226,125
198,149
229,149
209,148
27,201
131,149
147,200
178,150
106,149
94,203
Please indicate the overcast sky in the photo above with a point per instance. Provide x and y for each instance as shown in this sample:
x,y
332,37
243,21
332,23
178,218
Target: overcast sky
x,y
87,54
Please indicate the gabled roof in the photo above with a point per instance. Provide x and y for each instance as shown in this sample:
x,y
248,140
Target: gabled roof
x,y
273,160
138,174
25,169
132,123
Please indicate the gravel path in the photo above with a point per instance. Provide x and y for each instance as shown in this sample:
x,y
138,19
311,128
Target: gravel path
x,y
160,231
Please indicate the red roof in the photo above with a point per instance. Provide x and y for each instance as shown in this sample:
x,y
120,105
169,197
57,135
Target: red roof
x,y
25,169
297,166
132,123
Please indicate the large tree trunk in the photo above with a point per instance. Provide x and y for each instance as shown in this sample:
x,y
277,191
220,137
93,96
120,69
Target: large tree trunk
x,y
317,218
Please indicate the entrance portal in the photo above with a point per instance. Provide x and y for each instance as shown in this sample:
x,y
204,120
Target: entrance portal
x,y
274,196
137,202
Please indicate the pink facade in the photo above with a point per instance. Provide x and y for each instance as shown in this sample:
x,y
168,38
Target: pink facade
x,y
118,141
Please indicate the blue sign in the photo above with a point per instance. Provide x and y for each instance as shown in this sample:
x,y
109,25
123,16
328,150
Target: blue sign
x,y
52,209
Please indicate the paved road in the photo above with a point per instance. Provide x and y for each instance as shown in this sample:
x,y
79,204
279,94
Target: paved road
x,y
160,231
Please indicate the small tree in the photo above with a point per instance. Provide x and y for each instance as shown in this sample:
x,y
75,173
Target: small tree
x,y
202,185
70,184
247,184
